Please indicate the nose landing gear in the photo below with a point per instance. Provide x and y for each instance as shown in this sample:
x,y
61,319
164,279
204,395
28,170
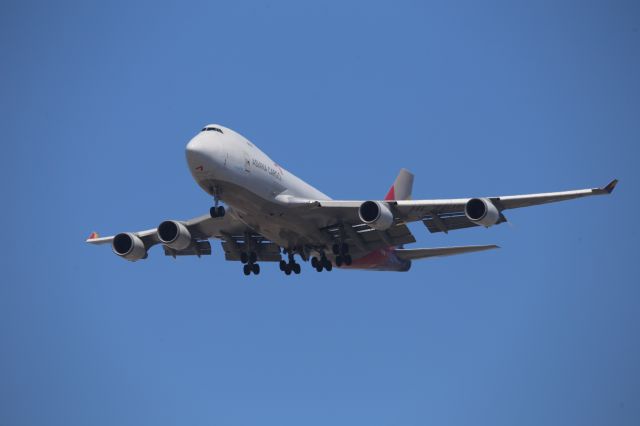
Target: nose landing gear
x,y
216,210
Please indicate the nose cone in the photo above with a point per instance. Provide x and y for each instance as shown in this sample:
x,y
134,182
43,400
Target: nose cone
x,y
197,156
206,156
195,149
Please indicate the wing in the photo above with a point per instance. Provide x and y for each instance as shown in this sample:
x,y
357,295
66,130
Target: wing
x,y
235,236
200,228
445,214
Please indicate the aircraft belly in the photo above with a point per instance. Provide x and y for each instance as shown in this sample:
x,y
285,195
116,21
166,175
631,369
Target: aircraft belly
x,y
268,218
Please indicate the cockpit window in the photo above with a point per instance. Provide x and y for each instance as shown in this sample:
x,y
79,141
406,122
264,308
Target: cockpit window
x,y
211,129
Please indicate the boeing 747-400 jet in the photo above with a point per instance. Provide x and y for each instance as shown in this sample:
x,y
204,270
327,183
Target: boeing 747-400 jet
x,y
272,215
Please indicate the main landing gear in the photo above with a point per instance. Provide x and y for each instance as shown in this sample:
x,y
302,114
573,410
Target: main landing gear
x,y
291,266
250,264
322,263
342,254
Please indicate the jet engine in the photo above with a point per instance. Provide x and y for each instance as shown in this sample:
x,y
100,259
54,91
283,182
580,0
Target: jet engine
x,y
174,235
376,214
482,212
129,246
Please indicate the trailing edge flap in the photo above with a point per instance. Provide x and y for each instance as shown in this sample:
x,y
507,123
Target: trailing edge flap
x,y
413,254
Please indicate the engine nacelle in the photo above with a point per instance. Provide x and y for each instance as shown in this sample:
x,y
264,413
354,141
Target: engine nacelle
x,y
481,211
129,246
376,214
174,235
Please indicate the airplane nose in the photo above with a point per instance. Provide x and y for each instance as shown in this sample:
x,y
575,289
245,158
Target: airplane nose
x,y
195,152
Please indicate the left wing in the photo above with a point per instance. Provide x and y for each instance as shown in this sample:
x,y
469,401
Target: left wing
x,y
438,215
190,237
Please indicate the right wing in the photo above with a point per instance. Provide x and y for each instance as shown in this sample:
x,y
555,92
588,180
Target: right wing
x,y
438,215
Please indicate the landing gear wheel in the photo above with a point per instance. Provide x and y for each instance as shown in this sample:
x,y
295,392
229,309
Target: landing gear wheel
x,y
213,212
338,261
283,265
220,211
253,257
347,260
244,258
287,270
326,263
255,268
318,267
246,269
314,262
296,268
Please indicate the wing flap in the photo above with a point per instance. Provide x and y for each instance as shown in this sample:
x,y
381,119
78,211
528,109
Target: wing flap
x,y
449,221
199,248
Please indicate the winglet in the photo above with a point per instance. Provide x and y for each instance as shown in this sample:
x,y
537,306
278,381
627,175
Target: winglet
x,y
610,186
93,236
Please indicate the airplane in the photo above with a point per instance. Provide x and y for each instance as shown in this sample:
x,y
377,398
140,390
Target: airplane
x,y
272,215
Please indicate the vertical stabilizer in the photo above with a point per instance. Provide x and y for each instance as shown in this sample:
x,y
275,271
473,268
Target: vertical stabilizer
x,y
402,186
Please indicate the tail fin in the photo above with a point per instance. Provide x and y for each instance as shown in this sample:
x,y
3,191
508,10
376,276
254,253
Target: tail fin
x,y
402,186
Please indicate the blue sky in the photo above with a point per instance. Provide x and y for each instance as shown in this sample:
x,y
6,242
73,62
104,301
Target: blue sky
x,y
98,100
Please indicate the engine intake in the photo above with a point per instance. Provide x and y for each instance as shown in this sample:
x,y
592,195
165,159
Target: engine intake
x,y
376,214
129,246
482,212
174,235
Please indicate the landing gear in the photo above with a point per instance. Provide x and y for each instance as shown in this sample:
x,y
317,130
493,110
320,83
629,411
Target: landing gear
x,y
216,210
248,268
340,248
322,263
250,264
250,257
342,254
291,266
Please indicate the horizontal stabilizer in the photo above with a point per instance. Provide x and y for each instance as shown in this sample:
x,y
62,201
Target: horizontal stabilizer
x,y
413,254
94,238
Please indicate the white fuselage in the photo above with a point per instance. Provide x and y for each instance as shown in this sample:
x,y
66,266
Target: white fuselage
x,y
228,166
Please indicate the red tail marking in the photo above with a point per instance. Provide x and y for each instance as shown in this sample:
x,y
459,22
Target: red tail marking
x,y
391,195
